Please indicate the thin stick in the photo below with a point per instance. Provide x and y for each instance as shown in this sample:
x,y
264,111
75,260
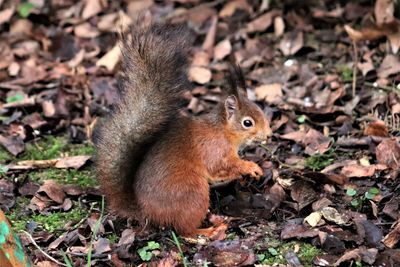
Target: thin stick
x,y
41,250
355,69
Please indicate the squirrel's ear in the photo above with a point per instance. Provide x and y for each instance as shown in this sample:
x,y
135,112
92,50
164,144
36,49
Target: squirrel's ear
x,y
231,106
236,81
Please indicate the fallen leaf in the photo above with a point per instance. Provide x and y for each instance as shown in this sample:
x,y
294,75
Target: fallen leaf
x,y
332,215
271,93
388,153
262,23
49,109
86,30
53,190
208,44
393,237
303,194
200,75
314,141
7,195
14,144
226,253
222,49
72,162
101,246
384,10
389,66
392,208
295,230
279,26
61,163
376,128
291,43
5,15
357,170
362,253
110,59
232,6
314,218
92,8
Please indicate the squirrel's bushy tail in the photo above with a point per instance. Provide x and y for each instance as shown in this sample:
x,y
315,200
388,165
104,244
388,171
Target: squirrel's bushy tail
x,y
154,65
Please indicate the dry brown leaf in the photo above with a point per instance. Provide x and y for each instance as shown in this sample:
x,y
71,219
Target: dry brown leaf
x,y
291,43
107,23
67,162
86,30
358,170
392,238
14,69
388,153
5,15
49,109
14,144
271,93
389,66
262,23
201,58
200,75
376,128
384,10
394,40
222,49
363,35
21,26
365,67
53,190
332,215
136,7
46,264
92,8
72,162
279,26
314,218
208,44
231,6
366,255
110,59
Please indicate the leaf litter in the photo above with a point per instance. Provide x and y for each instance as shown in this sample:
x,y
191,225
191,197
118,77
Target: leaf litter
x,y
326,75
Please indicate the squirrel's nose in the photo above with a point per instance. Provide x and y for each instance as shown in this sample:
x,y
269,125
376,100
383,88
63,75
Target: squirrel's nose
x,y
267,131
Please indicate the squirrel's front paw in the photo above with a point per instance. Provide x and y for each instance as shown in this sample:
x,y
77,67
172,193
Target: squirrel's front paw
x,y
253,170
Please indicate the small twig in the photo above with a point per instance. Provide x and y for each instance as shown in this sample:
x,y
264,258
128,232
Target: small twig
x,y
382,87
355,63
41,250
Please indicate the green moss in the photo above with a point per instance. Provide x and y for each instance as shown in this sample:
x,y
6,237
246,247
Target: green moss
x,y
51,222
83,177
113,238
319,161
51,147
5,156
276,254
346,72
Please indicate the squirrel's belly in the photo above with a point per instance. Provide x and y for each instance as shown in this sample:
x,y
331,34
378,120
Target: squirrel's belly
x,y
183,207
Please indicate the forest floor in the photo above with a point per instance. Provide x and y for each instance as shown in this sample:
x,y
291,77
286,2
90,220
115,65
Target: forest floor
x,y
326,73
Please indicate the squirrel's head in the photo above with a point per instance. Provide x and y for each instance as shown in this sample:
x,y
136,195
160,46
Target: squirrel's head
x,y
244,119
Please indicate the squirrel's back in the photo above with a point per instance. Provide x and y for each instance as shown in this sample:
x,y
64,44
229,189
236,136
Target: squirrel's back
x,y
153,77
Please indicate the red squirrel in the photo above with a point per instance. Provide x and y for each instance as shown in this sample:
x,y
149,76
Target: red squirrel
x,y
153,163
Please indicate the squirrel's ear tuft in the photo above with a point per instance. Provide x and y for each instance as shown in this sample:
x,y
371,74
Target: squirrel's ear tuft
x,y
231,106
236,82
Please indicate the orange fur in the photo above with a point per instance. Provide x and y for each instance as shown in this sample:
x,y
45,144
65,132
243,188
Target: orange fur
x,y
154,164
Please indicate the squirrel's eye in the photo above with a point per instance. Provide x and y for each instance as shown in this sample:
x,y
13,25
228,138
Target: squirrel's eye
x,y
247,123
